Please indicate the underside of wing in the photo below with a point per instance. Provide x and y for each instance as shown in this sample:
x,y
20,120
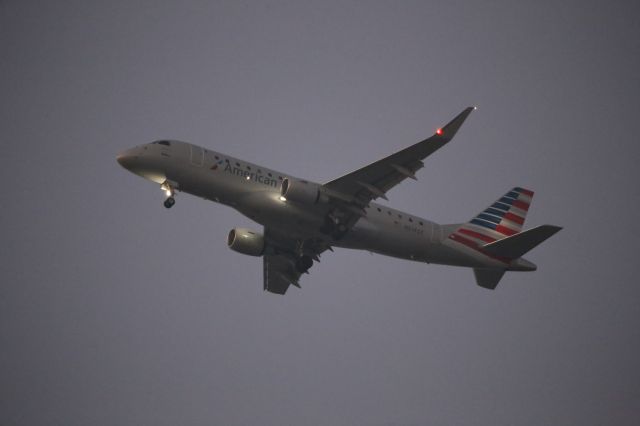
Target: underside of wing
x,y
279,273
287,258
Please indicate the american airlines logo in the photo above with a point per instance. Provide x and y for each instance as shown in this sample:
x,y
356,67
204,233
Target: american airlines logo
x,y
216,164
237,171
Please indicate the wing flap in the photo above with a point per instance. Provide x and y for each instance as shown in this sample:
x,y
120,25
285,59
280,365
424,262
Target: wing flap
x,y
281,256
278,274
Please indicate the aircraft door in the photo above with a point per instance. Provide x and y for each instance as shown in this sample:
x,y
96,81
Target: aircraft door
x,y
197,156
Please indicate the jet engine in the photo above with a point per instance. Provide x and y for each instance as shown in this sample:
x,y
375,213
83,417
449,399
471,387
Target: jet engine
x,y
246,241
301,191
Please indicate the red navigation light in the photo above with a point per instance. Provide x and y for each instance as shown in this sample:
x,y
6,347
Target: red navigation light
x,y
439,132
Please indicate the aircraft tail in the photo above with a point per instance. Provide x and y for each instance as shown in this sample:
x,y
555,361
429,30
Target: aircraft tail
x,y
519,244
502,219
497,233
488,278
510,248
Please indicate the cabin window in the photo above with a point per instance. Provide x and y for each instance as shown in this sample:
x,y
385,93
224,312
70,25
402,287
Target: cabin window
x,y
237,164
379,209
217,158
410,220
420,223
167,143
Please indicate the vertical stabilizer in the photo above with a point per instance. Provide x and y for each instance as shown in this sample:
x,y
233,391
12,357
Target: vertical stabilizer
x,y
503,218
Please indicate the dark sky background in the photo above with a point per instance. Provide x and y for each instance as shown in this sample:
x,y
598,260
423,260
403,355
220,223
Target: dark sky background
x,y
114,310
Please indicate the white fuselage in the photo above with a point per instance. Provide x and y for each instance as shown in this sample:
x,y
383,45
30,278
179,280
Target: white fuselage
x,y
254,191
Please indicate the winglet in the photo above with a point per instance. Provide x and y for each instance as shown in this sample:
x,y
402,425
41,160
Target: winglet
x,y
451,128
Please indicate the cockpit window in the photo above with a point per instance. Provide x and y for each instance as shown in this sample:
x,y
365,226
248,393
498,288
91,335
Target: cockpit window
x,y
167,143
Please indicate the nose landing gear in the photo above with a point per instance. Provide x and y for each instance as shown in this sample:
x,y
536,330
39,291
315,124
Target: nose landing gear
x,y
168,189
169,202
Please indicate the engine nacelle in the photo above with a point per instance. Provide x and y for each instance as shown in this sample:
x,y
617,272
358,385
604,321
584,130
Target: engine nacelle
x,y
301,191
246,241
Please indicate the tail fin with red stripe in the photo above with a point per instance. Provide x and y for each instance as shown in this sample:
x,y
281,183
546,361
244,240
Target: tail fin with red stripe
x,y
497,233
503,218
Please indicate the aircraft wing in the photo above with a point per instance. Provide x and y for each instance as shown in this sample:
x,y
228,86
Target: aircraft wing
x,y
368,183
279,273
279,262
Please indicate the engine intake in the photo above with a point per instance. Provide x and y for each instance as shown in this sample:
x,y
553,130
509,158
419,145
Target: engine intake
x,y
301,191
246,241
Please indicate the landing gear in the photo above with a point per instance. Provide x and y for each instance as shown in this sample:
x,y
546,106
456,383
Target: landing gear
x,y
334,224
304,263
167,187
169,202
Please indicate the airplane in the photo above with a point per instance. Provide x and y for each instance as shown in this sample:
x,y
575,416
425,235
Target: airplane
x,y
303,219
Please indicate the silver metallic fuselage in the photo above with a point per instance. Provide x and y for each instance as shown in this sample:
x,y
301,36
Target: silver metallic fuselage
x,y
254,191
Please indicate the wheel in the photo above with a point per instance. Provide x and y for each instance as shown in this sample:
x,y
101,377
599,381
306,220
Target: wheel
x,y
304,263
169,202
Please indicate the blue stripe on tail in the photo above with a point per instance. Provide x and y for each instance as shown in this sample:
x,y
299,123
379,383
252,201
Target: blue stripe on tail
x,y
489,218
495,212
483,223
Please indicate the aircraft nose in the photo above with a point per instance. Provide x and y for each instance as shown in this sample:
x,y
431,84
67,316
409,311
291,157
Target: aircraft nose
x,y
125,159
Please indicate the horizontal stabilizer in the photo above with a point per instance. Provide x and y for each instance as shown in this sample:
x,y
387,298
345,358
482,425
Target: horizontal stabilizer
x,y
517,245
488,278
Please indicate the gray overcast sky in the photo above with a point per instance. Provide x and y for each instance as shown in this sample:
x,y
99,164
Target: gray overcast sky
x,y
114,310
